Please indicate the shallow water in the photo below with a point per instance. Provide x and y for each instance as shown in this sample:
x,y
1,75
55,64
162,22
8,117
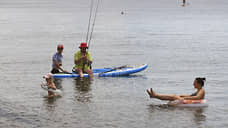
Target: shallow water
x,y
178,43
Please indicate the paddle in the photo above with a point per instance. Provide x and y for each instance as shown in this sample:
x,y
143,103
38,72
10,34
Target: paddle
x,y
124,66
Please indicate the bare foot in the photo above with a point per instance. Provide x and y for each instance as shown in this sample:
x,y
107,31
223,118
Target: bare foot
x,y
148,93
151,93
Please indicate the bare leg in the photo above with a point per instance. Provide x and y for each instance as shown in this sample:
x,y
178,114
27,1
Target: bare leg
x,y
162,97
80,72
90,72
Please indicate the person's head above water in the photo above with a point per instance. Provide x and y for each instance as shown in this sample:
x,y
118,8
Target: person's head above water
x,y
199,82
60,48
83,46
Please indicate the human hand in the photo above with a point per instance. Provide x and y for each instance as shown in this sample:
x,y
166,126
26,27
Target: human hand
x,y
84,58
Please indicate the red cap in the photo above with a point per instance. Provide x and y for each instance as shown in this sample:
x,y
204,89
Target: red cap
x,y
83,45
60,46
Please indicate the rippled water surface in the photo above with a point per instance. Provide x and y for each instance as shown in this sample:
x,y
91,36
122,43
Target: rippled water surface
x,y
178,43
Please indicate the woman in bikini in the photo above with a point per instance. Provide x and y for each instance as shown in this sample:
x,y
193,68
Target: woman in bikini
x,y
198,95
49,82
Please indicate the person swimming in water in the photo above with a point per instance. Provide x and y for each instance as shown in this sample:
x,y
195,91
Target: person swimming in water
x,y
49,82
198,95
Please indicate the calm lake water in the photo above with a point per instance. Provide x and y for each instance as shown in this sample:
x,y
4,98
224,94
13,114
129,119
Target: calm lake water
x,y
178,43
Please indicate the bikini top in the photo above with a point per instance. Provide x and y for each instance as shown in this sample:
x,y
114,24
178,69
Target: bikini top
x,y
194,94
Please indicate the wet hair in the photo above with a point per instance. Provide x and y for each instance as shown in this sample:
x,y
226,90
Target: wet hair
x,y
200,80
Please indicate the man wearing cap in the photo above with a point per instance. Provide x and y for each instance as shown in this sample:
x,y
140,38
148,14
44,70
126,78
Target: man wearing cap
x,y
57,60
83,60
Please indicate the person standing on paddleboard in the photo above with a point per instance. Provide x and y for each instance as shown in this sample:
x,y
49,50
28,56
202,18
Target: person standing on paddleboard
x,y
83,60
57,60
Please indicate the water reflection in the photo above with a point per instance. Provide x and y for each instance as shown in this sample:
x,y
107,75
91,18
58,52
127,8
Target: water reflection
x,y
58,83
153,108
197,115
83,88
50,103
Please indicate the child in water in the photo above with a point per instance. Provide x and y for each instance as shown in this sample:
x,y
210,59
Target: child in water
x,y
49,82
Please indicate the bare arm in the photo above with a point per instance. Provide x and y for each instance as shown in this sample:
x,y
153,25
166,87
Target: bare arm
x,y
185,96
90,61
58,65
199,96
53,86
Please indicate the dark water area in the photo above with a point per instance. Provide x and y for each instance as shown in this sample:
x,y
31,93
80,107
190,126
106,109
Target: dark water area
x,y
178,43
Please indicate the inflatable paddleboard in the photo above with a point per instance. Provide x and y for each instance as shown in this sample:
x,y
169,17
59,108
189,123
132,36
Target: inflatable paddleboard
x,y
107,72
189,103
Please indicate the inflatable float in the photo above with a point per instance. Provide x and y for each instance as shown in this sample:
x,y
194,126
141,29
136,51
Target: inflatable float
x,y
189,103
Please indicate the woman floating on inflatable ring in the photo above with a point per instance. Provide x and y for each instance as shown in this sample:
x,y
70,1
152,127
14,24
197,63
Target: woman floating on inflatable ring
x,y
183,99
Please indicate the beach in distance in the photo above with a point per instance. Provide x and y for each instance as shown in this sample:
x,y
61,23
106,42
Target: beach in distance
x,y
179,43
